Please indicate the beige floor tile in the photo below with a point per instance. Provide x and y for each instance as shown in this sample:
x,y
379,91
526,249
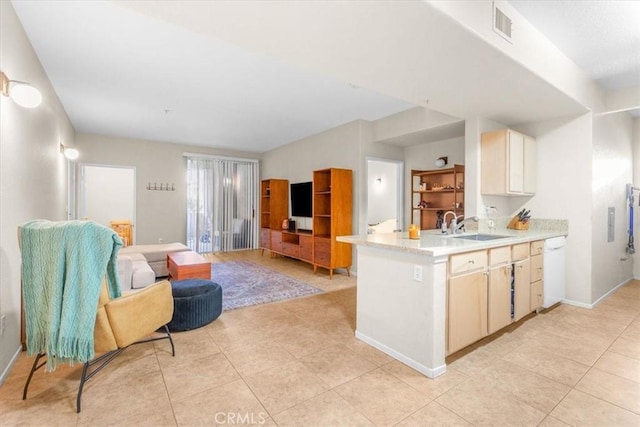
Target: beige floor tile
x,y
632,332
473,362
337,364
237,335
585,334
189,345
585,352
550,421
107,403
534,390
63,381
536,359
620,365
231,404
326,409
253,357
626,347
363,349
580,409
184,380
430,387
284,386
481,403
611,388
381,397
303,340
599,322
51,409
160,416
433,415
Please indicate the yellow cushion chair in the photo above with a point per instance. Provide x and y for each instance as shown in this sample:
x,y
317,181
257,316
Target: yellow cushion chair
x,y
120,322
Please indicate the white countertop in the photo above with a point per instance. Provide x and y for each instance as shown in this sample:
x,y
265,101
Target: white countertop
x,y
433,243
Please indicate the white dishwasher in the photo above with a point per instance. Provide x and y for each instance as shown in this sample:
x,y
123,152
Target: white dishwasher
x,y
553,271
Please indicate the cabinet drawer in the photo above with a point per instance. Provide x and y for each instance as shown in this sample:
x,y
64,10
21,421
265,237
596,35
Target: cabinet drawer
x,y
520,251
536,268
537,247
322,245
291,249
322,258
499,255
467,262
537,289
265,238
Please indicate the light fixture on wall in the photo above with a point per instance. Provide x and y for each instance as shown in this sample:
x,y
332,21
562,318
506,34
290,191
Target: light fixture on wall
x,y
22,93
441,162
69,153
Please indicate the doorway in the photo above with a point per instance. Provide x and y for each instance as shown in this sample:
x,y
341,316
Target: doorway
x,y
107,193
384,195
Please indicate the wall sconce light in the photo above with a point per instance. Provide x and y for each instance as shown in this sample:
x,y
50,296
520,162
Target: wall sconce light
x,y
22,93
69,153
442,162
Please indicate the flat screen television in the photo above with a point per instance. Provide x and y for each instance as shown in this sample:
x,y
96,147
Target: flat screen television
x,y
301,195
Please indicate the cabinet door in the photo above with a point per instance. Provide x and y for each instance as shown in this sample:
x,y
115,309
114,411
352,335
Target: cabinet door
x,y
522,289
467,314
536,295
536,268
516,163
530,165
499,299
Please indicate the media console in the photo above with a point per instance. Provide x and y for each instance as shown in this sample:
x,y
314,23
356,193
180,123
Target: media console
x,y
332,216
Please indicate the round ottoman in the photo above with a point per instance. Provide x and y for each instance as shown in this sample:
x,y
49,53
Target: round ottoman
x,y
196,302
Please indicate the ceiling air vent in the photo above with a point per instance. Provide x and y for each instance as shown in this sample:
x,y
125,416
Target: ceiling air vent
x,y
501,23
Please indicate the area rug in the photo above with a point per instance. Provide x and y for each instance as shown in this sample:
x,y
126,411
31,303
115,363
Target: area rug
x,y
245,283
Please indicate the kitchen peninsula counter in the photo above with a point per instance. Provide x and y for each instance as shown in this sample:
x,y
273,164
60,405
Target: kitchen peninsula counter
x,y
401,289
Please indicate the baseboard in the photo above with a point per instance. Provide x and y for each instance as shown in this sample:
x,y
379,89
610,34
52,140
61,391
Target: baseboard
x,y
599,300
7,370
429,372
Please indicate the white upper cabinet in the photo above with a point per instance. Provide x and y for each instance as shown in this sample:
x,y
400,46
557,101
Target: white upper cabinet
x,y
508,164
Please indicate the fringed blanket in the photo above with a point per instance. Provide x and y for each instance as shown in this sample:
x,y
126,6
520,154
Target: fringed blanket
x,y
63,266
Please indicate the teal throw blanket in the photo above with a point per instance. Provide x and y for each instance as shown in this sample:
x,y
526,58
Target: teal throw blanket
x,y
63,266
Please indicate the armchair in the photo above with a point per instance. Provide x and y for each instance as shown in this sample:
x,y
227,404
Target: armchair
x,y
120,321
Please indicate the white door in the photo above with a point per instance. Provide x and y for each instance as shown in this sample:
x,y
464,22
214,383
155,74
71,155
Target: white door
x,y
107,193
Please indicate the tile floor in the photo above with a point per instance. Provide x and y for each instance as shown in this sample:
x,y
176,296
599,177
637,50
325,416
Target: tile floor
x,y
296,363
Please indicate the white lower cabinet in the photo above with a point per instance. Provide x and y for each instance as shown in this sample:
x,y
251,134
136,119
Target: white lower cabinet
x,y
467,309
499,298
488,290
521,289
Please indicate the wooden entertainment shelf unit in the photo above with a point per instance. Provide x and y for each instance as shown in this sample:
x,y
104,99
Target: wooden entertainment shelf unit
x,y
332,216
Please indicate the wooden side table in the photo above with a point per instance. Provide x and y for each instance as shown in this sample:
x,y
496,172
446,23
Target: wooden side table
x,y
188,265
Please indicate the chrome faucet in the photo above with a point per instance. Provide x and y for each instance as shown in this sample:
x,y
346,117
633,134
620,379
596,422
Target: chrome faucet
x,y
453,222
460,227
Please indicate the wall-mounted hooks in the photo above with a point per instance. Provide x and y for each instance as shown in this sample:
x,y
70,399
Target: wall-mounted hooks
x,y
161,187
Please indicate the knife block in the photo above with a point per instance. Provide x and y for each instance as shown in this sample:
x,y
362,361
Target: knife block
x,y
515,224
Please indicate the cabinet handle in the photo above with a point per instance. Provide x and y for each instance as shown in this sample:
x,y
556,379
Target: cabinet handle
x,y
471,261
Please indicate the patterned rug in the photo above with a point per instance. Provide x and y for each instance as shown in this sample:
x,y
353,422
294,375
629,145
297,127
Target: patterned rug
x,y
245,283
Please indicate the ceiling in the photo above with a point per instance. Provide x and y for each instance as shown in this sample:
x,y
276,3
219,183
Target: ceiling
x,y
166,72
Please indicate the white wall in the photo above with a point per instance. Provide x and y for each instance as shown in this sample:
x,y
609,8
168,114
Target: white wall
x,y
33,173
636,182
339,147
564,191
107,194
383,194
612,170
159,214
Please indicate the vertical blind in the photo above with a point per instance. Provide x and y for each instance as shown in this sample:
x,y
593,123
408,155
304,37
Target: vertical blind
x,y
222,201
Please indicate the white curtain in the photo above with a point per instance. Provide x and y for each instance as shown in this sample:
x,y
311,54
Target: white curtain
x,y
222,201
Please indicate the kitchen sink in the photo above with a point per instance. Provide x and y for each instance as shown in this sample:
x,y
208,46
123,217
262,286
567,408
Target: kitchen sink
x,y
480,237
